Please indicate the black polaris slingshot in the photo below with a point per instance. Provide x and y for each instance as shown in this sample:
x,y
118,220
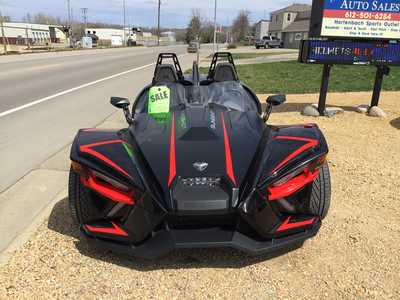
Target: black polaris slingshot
x,y
198,167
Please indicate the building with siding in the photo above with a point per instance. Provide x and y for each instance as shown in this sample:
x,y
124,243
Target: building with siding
x,y
291,22
262,29
297,31
32,34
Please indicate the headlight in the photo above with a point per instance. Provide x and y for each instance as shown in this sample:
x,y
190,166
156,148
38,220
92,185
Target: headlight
x,y
293,182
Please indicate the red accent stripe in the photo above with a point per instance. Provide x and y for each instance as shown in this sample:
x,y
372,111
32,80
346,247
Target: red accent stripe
x,y
116,230
87,149
172,154
286,225
228,156
108,190
310,143
292,186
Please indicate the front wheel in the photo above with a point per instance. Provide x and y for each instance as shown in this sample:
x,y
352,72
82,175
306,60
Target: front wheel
x,y
320,197
79,200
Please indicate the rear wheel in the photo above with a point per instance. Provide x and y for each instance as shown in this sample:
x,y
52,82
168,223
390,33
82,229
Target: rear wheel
x,y
320,197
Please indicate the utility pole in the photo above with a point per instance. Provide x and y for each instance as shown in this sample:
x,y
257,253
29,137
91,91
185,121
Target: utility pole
x,y
215,26
69,22
3,35
84,12
124,4
158,24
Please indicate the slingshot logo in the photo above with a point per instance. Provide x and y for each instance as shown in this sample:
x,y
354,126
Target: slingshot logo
x,y
200,166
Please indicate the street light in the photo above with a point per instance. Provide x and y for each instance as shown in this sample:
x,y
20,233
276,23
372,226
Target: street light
x,y
215,26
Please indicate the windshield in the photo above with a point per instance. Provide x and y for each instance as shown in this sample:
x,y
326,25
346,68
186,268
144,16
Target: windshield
x,y
229,94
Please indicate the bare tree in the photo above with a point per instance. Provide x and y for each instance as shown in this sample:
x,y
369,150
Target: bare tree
x,y
241,26
5,18
194,27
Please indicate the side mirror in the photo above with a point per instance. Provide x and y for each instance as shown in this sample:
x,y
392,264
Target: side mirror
x,y
119,102
276,100
123,103
272,101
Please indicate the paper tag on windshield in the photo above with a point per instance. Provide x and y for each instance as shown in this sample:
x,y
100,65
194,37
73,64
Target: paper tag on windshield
x,y
159,100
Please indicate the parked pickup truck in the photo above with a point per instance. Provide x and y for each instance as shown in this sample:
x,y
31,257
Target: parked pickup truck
x,y
269,42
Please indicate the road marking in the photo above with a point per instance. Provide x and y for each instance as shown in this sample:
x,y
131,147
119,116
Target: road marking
x,y
30,104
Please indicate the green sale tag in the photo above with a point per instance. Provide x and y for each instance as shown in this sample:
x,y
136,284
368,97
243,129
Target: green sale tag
x,y
159,100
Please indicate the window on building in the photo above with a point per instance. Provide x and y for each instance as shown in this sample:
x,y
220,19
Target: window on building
x,y
276,19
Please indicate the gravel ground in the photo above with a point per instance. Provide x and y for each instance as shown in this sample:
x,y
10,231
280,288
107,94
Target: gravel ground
x,y
355,256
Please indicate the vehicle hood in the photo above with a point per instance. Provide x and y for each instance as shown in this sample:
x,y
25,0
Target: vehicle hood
x,y
223,141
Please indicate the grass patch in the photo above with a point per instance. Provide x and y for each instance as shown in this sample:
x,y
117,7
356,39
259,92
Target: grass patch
x,y
295,78
250,55
256,55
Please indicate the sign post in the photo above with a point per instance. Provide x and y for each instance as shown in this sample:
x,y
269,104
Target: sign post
x,y
324,89
380,73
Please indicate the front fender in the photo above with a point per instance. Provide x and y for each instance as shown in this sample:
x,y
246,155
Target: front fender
x,y
107,152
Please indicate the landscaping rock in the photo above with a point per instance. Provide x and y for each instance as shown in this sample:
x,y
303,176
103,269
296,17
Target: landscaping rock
x,y
334,111
377,112
310,111
362,109
330,111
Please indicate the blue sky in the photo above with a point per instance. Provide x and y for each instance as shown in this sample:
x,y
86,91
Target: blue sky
x,y
175,13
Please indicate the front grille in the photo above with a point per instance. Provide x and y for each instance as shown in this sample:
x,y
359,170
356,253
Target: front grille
x,y
200,195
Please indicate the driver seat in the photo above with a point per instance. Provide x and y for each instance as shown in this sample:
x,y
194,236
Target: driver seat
x,y
225,72
165,73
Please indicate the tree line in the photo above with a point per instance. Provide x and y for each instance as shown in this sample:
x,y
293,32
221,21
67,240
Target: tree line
x,y
203,30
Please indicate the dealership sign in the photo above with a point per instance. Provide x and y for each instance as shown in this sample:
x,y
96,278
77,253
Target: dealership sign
x,y
369,19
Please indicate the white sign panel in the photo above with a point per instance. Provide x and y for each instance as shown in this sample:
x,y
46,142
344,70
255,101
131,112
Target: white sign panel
x,y
369,19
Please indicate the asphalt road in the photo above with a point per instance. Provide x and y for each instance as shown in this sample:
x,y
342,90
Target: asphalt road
x,y
45,98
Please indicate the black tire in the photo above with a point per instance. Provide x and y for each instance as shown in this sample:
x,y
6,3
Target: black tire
x,y
79,201
257,47
320,198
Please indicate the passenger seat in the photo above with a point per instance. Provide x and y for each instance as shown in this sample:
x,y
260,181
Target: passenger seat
x,y
225,72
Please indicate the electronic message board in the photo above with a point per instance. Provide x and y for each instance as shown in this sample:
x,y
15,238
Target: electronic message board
x,y
364,19
350,52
